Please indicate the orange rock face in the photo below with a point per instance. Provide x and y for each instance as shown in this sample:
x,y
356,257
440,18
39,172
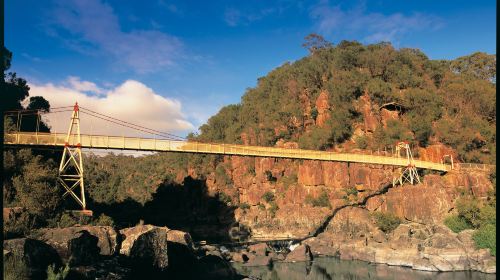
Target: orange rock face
x,y
418,203
386,115
323,108
370,120
310,173
436,153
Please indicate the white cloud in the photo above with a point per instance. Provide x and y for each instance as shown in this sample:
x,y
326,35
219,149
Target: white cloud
x,y
132,101
97,27
373,27
84,86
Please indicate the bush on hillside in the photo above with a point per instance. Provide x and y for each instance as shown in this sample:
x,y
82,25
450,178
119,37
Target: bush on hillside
x,y
456,223
386,222
485,237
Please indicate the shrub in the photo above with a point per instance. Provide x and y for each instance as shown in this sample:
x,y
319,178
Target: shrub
x,y
289,180
457,223
104,220
386,222
221,176
244,206
57,274
485,237
67,220
223,197
321,201
268,196
251,169
274,207
269,176
14,268
468,208
362,142
261,206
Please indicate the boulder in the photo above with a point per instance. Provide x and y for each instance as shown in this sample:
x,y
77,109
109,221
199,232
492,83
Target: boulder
x,y
36,254
146,245
106,236
77,245
300,254
259,249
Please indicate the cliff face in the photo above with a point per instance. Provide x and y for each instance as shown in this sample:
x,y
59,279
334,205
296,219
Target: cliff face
x,y
295,184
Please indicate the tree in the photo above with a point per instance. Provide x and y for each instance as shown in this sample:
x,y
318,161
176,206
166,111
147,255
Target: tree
x,y
314,42
480,65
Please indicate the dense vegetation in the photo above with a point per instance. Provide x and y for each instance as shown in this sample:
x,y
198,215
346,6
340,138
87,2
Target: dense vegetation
x,y
452,102
479,215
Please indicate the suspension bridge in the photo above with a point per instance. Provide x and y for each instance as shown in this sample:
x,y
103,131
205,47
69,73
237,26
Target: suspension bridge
x,y
71,166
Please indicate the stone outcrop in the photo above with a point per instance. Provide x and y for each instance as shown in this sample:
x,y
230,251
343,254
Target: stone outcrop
x,y
323,108
146,245
36,254
352,234
76,245
107,237
299,254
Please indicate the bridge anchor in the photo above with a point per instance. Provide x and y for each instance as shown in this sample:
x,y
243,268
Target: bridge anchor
x,y
70,174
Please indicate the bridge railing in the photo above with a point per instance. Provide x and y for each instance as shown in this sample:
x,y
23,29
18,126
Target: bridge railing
x,y
475,166
151,144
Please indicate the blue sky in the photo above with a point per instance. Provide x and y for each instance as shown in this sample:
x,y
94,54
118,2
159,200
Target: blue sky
x,y
201,55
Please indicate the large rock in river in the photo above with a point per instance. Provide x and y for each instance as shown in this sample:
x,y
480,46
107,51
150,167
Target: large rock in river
x,y
35,254
106,237
75,245
146,245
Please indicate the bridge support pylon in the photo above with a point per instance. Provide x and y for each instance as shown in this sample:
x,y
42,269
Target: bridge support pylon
x,y
409,172
70,174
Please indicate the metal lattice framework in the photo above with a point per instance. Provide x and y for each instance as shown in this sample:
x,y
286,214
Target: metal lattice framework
x,y
71,167
406,173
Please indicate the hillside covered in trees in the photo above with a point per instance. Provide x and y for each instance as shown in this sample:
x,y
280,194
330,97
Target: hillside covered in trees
x,y
322,100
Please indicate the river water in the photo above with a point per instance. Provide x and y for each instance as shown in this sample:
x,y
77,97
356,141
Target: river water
x,y
330,268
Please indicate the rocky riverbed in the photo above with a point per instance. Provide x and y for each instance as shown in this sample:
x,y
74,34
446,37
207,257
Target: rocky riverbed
x,y
101,252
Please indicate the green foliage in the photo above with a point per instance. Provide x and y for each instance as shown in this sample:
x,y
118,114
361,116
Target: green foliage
x,y
321,201
386,222
485,237
221,176
268,196
289,180
476,215
480,65
438,98
468,209
456,223
104,220
269,176
14,268
244,206
362,142
223,197
19,226
273,208
380,91
57,274
261,206
251,170
31,183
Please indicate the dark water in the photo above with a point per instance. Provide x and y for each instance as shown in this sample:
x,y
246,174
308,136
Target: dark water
x,y
329,268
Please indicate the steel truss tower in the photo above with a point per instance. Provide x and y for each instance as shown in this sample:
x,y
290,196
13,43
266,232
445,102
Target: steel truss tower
x,y
409,172
71,167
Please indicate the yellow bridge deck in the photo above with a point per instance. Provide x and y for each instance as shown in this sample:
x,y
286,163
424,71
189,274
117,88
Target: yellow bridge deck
x,y
159,145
